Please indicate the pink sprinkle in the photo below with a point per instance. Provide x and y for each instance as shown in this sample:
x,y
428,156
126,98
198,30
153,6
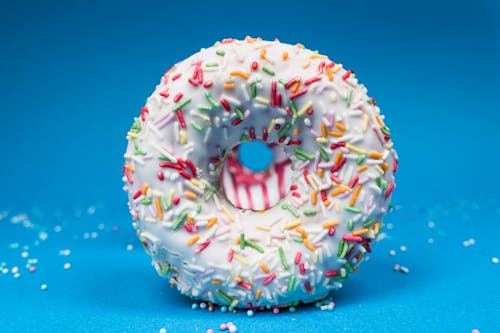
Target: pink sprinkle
x,y
207,84
130,179
245,285
230,255
308,286
177,97
193,81
297,257
268,280
351,238
389,190
298,93
188,227
176,200
331,273
137,194
302,268
176,76
312,80
203,246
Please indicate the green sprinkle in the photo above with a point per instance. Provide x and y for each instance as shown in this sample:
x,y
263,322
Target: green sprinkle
x,y
350,224
343,272
349,267
136,127
239,113
171,70
304,154
345,249
360,159
163,202
210,193
353,210
369,101
290,209
211,64
146,201
309,212
254,245
342,244
268,70
163,270
224,296
298,239
211,100
291,283
385,130
253,89
181,104
204,108
368,223
384,185
284,130
164,158
242,241
324,155
220,53
139,152
293,108
179,220
378,181
243,137
282,82
196,126
283,258
198,209
348,98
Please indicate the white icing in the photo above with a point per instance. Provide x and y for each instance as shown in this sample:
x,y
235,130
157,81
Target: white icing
x,y
202,269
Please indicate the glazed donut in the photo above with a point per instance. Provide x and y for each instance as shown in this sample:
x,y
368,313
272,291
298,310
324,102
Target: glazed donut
x,y
294,227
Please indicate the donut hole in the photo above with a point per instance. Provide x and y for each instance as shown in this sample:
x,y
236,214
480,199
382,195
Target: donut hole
x,y
256,175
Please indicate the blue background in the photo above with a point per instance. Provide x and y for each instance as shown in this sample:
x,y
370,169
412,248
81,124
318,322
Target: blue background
x,y
73,74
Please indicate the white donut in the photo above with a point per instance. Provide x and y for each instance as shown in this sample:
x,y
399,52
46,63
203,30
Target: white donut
x,y
293,232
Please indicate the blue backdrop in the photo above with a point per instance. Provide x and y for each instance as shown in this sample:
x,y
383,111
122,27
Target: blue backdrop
x,y
73,74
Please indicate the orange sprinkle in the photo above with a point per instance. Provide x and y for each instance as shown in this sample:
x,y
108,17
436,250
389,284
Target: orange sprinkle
x,y
158,208
375,154
309,245
241,74
238,279
216,281
361,168
324,131
338,157
212,222
355,195
337,191
336,134
327,202
284,56
340,126
130,167
193,240
300,46
376,227
264,267
238,240
359,256
190,219
360,232
262,211
228,85
296,132
263,53
385,166
302,232
190,195
329,73
314,197
145,189
295,87
320,172
318,56
331,224
379,121
258,293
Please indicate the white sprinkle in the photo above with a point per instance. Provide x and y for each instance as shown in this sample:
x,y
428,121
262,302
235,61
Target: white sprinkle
x,y
392,252
495,260
57,228
431,224
24,254
430,241
163,330
130,247
402,248
67,265
43,287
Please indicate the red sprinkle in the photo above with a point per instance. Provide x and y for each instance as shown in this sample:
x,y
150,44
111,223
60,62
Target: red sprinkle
x,y
176,76
354,181
225,104
160,175
350,238
137,194
321,67
245,285
255,65
177,97
293,187
236,122
165,93
185,174
227,41
252,133
188,227
337,145
191,167
297,257
312,80
298,93
194,82
296,194
337,166
395,165
203,246
278,100
346,75
180,116
305,176
282,139
292,82
207,84
130,179
182,163
323,195
273,93
331,232
264,134
335,179
308,286
389,190
176,200
169,165
144,110
331,273
310,111
302,268
268,279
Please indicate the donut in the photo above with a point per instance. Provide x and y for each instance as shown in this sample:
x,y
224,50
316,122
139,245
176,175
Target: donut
x,y
258,174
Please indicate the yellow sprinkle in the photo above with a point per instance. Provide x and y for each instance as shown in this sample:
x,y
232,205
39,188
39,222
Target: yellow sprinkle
x,y
258,293
292,225
228,85
336,68
132,135
299,45
364,127
336,134
262,227
302,232
145,189
340,126
338,157
158,208
212,222
241,259
361,168
322,140
336,207
228,213
312,182
190,195
355,149
318,56
308,61
324,131
262,100
314,197
337,191
264,267
331,224
355,194
309,245
376,155
379,170
197,183
284,56
360,232
304,109
329,73
295,87
216,281
241,74
193,240
263,53
183,137
333,96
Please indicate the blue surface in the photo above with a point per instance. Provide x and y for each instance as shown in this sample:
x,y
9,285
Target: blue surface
x,y
74,74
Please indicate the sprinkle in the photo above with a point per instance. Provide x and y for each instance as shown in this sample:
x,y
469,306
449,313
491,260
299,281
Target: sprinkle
x,y
268,280
291,225
303,155
298,93
283,258
331,273
203,246
241,74
348,98
310,212
375,155
224,297
220,53
179,220
284,56
355,195
242,241
337,166
360,232
291,283
264,267
332,224
353,210
212,222
268,70
228,85
389,190
193,240
263,53
190,195
309,245
228,213
241,259
290,209
350,238
346,75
